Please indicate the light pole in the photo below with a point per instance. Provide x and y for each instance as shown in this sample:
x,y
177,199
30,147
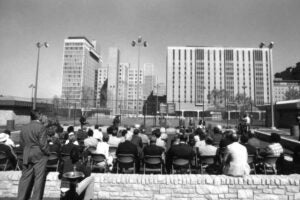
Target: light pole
x,y
270,58
244,87
39,45
138,43
32,90
203,104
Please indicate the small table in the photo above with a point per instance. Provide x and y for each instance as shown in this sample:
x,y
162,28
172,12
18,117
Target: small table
x,y
73,177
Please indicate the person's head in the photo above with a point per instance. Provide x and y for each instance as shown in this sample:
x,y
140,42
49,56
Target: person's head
x,y
6,131
234,137
110,130
157,133
217,129
209,141
70,129
128,137
75,155
275,138
136,131
105,138
35,115
72,138
244,139
90,133
115,130
183,138
123,133
96,126
153,139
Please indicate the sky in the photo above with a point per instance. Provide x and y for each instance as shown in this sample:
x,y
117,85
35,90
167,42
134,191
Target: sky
x,y
115,23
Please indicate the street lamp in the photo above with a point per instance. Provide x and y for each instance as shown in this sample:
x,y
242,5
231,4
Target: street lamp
x,y
244,87
138,43
39,45
203,104
270,47
32,90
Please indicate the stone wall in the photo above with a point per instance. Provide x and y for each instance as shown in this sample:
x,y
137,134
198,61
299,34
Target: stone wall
x,y
183,187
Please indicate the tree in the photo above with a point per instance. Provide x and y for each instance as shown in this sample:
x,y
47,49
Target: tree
x,y
292,93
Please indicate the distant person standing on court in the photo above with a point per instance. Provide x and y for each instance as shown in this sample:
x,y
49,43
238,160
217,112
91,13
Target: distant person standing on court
x,y
33,140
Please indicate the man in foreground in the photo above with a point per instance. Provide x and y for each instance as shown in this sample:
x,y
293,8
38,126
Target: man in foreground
x,y
33,140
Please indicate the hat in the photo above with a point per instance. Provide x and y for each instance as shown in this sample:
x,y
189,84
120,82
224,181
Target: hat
x,y
72,133
3,137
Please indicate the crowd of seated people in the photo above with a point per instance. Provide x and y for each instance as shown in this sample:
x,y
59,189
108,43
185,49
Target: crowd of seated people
x,y
229,148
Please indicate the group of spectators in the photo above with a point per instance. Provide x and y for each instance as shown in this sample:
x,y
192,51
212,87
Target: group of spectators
x,y
229,148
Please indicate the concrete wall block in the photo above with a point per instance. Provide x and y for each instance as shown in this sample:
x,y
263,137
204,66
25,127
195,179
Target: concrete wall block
x,y
297,196
210,189
245,194
184,191
266,197
294,189
212,197
278,191
230,196
103,195
162,197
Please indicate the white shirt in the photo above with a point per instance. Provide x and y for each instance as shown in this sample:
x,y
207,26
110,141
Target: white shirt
x,y
114,141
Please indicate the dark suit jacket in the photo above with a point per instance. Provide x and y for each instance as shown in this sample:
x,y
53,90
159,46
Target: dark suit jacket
x,y
153,150
67,148
127,148
181,150
33,138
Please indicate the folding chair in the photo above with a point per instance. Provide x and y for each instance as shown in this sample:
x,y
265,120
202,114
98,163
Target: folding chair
x,y
153,164
204,161
98,161
181,164
126,161
3,160
251,163
269,163
53,161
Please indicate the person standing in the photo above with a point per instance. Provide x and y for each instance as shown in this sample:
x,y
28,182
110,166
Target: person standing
x,y
33,139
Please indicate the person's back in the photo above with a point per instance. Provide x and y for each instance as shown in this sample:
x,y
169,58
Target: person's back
x,y
33,140
208,149
12,158
136,139
236,158
153,149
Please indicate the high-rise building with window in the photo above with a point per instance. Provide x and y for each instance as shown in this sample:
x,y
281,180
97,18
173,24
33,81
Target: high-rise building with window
x,y
101,77
112,85
123,87
80,62
135,103
149,80
193,73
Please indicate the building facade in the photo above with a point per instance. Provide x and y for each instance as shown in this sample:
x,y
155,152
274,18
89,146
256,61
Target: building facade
x,y
80,62
135,97
194,72
282,86
101,77
112,84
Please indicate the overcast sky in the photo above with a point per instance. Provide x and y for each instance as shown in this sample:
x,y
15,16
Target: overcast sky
x,y
162,23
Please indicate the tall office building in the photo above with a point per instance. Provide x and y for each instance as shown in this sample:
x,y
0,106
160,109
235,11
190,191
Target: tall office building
x,y
135,103
194,72
112,85
123,87
149,80
101,74
81,60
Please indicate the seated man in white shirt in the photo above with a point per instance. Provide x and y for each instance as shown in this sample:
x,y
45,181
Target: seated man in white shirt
x,y
103,148
97,133
208,149
113,141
